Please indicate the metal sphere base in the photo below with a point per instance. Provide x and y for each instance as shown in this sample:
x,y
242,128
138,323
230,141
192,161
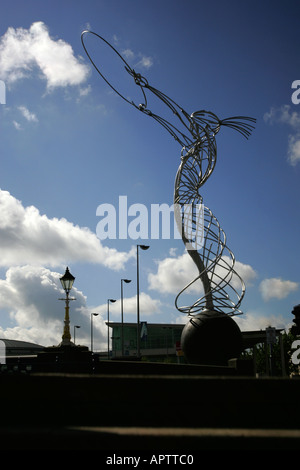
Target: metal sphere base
x,y
211,338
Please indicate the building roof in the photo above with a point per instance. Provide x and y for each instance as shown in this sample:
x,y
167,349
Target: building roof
x,y
16,347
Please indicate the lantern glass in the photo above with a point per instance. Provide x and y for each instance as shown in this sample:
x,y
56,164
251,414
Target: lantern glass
x,y
67,280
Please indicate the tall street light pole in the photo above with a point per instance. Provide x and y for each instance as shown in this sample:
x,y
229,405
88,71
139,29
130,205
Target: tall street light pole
x,y
92,315
108,300
138,338
122,318
75,326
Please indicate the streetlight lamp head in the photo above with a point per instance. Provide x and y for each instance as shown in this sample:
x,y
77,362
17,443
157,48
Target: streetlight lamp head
x,y
95,314
144,247
127,280
67,280
112,300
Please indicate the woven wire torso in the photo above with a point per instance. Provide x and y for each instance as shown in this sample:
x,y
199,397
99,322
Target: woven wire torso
x,y
223,288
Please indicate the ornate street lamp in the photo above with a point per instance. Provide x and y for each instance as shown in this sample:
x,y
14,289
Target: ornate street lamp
x,y
75,326
67,281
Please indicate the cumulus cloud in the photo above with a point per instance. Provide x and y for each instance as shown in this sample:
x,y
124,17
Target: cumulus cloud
x,y
31,296
173,273
27,237
23,50
276,288
284,115
148,305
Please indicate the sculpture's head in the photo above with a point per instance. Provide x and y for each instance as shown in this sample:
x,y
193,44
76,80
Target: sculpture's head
x,y
206,121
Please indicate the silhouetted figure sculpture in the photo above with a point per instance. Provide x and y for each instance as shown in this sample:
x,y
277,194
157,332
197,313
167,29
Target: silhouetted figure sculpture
x,y
210,335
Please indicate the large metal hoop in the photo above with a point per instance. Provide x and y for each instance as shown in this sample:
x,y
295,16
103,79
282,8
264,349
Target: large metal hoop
x,y
126,65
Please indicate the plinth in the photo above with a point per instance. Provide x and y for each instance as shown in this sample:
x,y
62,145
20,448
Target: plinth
x,y
65,358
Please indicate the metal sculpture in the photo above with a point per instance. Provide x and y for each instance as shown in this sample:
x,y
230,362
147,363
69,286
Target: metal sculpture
x,y
214,260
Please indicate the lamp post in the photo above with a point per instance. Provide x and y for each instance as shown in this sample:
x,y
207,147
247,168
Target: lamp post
x,y
108,300
138,337
92,315
122,319
75,326
67,281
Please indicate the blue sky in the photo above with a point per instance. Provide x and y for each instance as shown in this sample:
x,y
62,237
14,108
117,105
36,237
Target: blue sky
x,y
68,144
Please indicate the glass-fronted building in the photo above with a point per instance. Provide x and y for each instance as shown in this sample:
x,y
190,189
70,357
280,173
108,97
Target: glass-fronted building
x,y
157,340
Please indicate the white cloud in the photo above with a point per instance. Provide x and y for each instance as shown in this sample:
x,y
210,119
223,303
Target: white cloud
x,y
140,59
148,305
85,91
276,288
284,115
245,271
252,321
27,237
17,125
115,38
174,273
31,294
145,62
128,54
21,50
27,114
172,251
294,149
